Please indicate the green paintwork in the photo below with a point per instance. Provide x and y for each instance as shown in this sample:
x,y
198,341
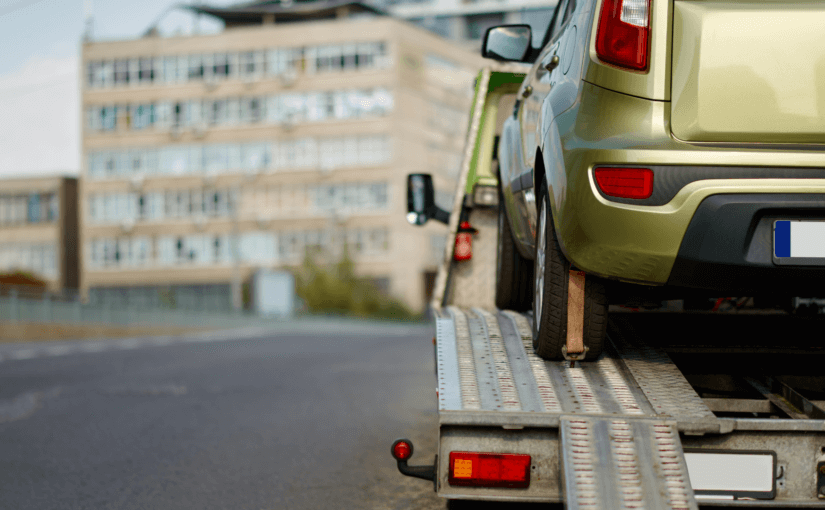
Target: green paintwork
x,y
749,72
481,163
639,243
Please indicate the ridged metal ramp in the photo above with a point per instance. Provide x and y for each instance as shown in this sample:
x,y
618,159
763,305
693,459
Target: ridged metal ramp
x,y
623,464
619,417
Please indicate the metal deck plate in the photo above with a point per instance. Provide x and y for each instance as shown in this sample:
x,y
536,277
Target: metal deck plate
x,y
473,282
502,382
611,463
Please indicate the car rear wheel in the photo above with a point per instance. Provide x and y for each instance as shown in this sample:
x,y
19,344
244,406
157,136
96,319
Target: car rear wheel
x,y
551,272
514,273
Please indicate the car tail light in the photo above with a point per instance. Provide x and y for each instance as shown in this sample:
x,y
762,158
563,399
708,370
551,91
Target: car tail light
x,y
625,182
490,469
624,29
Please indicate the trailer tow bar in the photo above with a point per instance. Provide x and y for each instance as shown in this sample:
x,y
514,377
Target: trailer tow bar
x,y
402,450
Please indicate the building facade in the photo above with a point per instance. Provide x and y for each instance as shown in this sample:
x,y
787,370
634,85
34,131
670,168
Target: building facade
x,y
208,157
39,230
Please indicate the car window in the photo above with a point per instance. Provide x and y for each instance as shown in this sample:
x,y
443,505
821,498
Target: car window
x,y
564,10
569,7
568,13
539,20
551,30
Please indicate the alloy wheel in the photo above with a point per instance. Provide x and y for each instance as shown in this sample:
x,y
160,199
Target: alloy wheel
x,y
541,244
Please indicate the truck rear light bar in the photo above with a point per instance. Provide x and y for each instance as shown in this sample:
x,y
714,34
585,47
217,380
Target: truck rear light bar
x,y
508,470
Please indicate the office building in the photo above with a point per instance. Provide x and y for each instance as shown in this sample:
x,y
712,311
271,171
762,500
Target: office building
x,y
207,157
39,230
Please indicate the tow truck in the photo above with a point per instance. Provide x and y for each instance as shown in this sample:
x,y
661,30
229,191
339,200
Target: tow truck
x,y
683,408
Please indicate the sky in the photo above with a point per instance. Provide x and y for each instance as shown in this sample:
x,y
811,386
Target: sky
x,y
39,72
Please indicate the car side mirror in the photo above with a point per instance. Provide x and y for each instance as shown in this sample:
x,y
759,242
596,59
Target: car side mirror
x,y
507,42
421,201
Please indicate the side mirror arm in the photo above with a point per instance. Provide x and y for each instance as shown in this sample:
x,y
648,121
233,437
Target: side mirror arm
x,y
439,214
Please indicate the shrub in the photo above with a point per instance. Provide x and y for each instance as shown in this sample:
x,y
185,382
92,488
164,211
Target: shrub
x,y
336,289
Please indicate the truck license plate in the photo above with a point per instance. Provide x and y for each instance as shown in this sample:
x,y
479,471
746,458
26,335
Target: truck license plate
x,y
729,474
798,242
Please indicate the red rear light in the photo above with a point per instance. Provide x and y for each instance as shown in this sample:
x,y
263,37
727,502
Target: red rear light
x,y
490,470
402,449
624,29
463,242
625,182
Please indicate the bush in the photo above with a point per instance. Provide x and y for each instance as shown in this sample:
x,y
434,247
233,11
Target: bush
x,y
338,290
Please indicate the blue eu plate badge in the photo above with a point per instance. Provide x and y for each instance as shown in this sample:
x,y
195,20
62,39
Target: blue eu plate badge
x,y
799,242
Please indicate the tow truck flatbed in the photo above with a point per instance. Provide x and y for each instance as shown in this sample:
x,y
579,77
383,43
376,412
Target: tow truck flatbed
x,y
680,409
495,394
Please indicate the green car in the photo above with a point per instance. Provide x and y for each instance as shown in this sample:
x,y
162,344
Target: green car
x,y
661,149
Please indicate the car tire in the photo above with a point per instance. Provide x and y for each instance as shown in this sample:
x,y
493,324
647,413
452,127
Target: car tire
x,y
551,273
514,273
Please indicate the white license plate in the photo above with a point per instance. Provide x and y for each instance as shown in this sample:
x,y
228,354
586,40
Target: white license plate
x,y
726,474
799,242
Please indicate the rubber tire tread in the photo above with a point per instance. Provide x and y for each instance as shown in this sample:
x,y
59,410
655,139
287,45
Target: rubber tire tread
x,y
514,274
553,323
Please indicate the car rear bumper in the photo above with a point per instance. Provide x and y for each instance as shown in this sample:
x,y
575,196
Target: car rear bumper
x,y
715,234
641,241
728,245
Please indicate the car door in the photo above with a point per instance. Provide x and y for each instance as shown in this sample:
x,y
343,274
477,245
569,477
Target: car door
x,y
531,96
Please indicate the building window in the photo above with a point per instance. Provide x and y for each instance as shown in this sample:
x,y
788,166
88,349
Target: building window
x,y
34,208
196,68
251,63
54,207
284,61
251,110
122,72
285,108
220,65
108,118
143,116
247,64
217,112
304,153
171,73
94,72
356,197
146,68
38,258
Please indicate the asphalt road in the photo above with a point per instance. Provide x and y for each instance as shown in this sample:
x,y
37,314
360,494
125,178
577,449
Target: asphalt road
x,y
297,418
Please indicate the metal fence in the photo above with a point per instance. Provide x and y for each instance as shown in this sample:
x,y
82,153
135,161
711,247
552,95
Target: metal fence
x,y
23,305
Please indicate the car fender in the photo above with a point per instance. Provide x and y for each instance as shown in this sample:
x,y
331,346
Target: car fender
x,y
555,172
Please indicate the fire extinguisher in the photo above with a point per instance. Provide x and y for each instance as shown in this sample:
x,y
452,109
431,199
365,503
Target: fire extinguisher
x,y
464,242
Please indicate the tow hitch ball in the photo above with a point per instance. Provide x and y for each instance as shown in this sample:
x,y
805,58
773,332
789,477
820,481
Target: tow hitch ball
x,y
402,450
